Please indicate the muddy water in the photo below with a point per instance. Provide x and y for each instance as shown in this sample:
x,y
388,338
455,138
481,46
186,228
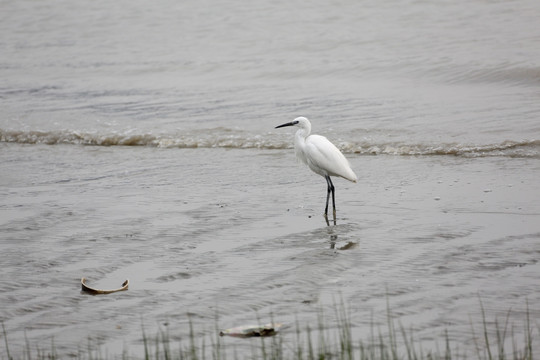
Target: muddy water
x,y
429,234
137,142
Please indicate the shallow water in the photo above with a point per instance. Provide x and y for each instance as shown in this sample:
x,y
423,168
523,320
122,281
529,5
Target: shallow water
x,y
430,234
138,142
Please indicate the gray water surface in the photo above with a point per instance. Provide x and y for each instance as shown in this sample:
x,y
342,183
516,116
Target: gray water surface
x,y
137,141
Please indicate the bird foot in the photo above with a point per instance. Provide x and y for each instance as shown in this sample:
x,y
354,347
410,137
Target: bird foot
x,y
326,219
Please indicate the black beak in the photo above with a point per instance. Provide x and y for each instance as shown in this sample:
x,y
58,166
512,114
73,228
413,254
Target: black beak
x,y
292,123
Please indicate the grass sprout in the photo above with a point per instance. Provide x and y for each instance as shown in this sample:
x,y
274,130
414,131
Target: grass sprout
x,y
335,343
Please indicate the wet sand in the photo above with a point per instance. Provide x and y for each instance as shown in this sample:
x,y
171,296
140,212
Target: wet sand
x,y
239,233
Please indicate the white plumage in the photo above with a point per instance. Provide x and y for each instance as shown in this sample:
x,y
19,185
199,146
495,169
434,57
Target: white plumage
x,y
321,156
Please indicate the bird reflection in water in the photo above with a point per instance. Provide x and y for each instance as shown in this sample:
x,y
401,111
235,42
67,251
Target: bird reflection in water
x,y
334,240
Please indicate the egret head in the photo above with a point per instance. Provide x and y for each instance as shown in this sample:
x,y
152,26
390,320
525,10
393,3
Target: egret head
x,y
301,122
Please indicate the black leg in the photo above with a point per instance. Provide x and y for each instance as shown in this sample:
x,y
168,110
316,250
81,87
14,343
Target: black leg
x,y
329,190
333,198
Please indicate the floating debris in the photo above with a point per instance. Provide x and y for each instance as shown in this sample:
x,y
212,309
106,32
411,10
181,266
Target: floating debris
x,y
348,246
94,291
252,330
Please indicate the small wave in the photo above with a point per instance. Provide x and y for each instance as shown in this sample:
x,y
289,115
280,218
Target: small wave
x,y
524,148
504,73
211,139
227,139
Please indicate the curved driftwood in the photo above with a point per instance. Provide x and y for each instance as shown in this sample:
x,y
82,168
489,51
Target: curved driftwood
x,y
91,290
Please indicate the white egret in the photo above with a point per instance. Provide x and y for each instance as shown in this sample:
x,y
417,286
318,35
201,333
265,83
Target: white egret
x,y
321,156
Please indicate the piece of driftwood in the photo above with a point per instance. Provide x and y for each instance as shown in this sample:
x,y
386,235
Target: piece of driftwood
x,y
94,291
252,330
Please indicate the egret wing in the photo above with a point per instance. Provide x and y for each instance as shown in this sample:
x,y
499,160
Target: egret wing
x,y
323,157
